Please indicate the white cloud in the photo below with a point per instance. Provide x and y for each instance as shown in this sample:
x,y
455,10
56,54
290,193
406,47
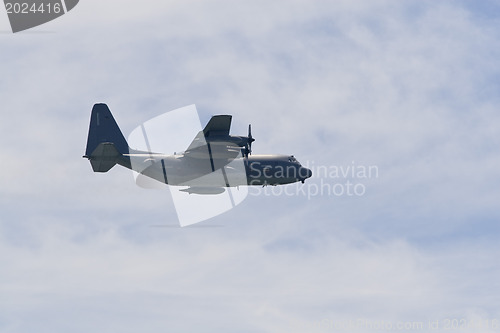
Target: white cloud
x,y
410,87
244,281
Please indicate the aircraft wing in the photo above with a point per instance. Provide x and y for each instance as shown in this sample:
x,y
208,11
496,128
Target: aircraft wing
x,y
209,144
218,126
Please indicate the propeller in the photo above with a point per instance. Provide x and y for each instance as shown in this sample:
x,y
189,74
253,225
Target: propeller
x,y
250,139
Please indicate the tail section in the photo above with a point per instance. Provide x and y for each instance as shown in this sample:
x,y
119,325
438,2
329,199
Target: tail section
x,y
105,143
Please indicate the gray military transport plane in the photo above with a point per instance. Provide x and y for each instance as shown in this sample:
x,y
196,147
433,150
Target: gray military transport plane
x,y
213,151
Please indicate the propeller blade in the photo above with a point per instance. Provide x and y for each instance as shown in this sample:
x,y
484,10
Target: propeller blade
x,y
250,139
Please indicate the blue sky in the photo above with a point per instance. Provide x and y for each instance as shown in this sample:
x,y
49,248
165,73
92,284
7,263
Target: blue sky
x,y
411,87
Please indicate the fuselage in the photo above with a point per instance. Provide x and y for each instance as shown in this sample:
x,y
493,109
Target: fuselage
x,y
252,170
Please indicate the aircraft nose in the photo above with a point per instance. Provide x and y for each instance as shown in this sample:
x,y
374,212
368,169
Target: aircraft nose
x,y
309,173
306,173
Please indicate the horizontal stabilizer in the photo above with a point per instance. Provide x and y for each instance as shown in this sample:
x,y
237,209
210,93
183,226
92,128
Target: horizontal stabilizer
x,y
104,157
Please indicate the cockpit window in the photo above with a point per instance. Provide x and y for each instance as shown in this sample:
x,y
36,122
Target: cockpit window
x,y
293,159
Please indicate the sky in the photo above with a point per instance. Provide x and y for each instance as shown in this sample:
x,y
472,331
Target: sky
x,y
407,87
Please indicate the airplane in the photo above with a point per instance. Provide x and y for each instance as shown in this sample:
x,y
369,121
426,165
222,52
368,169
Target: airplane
x,y
214,160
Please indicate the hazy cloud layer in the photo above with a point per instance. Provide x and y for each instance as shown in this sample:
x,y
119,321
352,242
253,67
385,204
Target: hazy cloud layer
x,y
409,87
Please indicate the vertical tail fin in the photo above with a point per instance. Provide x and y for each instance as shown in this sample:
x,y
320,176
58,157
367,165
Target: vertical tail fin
x,y
105,143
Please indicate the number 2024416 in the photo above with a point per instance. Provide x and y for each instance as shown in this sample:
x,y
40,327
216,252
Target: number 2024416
x,y
25,8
